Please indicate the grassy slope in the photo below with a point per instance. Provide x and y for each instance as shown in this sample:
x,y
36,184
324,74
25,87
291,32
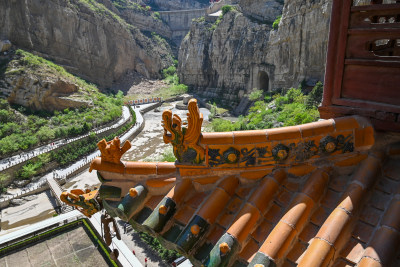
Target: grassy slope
x,y
22,129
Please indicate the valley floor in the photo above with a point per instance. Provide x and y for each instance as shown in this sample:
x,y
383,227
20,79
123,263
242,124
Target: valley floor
x,y
148,145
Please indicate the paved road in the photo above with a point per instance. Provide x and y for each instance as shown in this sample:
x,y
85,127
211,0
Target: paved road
x,y
24,156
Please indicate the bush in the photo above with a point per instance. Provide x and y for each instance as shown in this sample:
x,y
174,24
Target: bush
x,y
157,15
276,111
315,97
4,180
226,9
170,71
256,95
221,125
167,255
168,155
275,25
72,152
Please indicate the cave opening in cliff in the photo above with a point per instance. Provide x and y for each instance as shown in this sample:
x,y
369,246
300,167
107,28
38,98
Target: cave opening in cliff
x,y
263,81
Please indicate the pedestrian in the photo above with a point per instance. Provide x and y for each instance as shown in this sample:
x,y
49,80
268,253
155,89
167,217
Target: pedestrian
x,y
133,252
145,262
124,228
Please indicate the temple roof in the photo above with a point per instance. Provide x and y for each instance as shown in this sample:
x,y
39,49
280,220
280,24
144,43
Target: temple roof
x,y
319,194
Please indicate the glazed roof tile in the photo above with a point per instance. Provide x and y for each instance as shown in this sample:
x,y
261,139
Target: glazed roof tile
x,y
312,195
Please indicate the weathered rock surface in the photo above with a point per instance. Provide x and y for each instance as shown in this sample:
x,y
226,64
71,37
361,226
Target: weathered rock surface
x,y
264,10
39,87
91,42
298,49
243,52
220,62
42,93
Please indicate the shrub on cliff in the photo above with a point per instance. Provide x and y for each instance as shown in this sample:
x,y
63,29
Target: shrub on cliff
x,y
275,25
225,9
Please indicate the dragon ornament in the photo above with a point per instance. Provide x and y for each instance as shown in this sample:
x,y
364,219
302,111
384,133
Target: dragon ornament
x,y
85,202
111,150
184,139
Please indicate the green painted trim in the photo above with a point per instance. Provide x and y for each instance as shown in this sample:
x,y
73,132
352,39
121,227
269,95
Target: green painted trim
x,y
216,257
156,221
99,242
187,240
261,258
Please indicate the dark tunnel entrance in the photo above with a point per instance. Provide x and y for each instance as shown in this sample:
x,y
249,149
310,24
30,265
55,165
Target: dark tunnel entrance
x,y
263,81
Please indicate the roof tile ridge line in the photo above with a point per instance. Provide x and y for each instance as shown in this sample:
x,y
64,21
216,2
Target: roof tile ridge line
x,y
277,183
334,124
230,176
324,170
388,227
301,132
125,167
369,257
348,212
289,224
357,182
323,239
254,205
157,169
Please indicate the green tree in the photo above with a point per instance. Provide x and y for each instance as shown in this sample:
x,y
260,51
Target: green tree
x,y
315,97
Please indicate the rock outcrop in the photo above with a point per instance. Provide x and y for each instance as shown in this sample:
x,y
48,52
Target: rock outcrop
x,y
39,87
43,93
261,9
85,37
243,52
298,48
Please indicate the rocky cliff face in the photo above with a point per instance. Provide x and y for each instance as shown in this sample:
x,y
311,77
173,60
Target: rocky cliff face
x,y
30,82
298,49
221,60
85,37
243,52
261,9
42,93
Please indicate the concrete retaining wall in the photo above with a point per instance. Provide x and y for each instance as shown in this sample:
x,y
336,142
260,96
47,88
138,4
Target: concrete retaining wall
x,y
180,21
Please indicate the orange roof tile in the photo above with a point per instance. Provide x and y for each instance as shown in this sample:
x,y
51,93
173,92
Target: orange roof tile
x,y
314,195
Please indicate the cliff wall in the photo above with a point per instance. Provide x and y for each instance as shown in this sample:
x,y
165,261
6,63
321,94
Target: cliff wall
x,y
84,37
241,52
